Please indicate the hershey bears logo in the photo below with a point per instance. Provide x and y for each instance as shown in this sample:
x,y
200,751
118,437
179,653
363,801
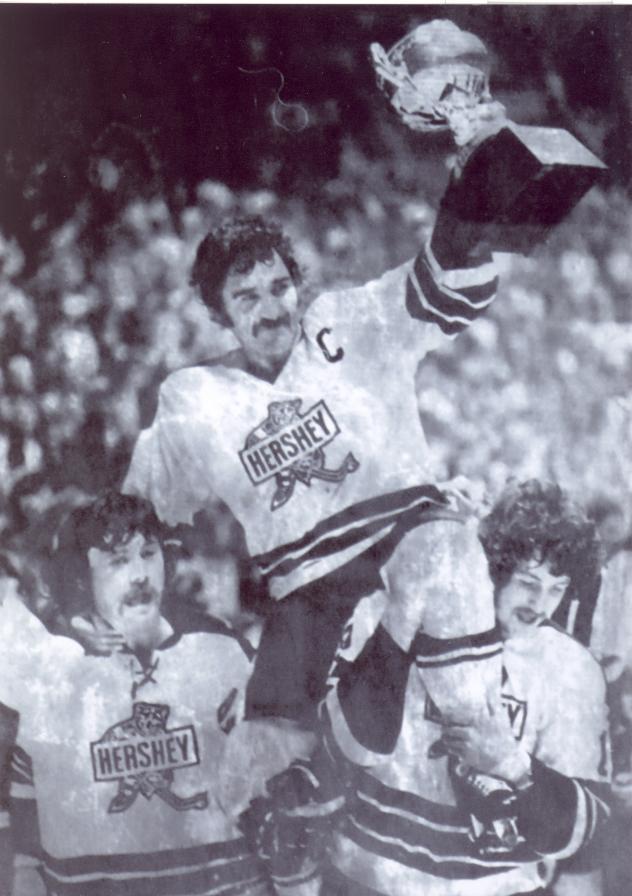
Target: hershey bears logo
x,y
142,754
288,446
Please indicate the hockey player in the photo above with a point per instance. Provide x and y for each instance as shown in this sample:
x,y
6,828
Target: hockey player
x,y
516,792
124,753
310,433
27,650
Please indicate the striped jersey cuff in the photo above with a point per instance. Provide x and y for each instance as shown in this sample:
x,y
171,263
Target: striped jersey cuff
x,y
435,652
451,299
559,815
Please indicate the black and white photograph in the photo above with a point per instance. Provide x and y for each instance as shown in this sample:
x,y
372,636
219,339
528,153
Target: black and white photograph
x,y
315,449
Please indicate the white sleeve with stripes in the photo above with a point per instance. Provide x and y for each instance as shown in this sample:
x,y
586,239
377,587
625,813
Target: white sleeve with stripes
x,y
574,743
449,298
442,568
22,785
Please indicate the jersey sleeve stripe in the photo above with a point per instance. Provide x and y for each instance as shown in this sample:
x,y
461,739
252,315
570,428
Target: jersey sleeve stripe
x,y
363,511
427,298
393,799
430,300
451,865
424,301
294,880
469,300
21,768
230,878
216,855
22,791
597,812
460,658
395,812
441,843
583,827
294,567
461,278
425,645
435,652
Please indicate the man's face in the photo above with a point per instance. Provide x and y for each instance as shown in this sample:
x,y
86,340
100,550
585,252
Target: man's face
x,y
532,594
128,582
262,306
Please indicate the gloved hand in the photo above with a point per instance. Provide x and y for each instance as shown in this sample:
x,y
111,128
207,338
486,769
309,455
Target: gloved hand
x,y
290,828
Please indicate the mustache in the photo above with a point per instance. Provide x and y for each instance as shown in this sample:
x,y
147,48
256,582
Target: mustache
x,y
267,323
142,594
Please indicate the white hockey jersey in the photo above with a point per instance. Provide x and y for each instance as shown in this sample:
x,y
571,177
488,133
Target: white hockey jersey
x,y
318,465
404,831
124,763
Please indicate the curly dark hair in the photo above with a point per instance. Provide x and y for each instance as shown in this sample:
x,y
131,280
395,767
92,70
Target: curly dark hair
x,y
238,243
538,520
110,520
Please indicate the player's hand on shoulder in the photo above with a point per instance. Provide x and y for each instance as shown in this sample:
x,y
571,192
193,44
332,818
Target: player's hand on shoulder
x,y
99,642
467,496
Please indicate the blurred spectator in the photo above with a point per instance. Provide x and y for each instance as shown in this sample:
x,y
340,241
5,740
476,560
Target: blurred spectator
x,y
211,579
611,521
611,639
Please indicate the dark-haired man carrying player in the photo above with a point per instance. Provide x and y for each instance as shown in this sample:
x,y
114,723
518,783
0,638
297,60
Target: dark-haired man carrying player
x,y
509,794
127,754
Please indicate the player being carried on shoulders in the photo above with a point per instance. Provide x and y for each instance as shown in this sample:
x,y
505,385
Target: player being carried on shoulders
x,y
309,431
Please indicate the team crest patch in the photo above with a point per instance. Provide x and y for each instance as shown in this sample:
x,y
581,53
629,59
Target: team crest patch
x,y
142,755
288,446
